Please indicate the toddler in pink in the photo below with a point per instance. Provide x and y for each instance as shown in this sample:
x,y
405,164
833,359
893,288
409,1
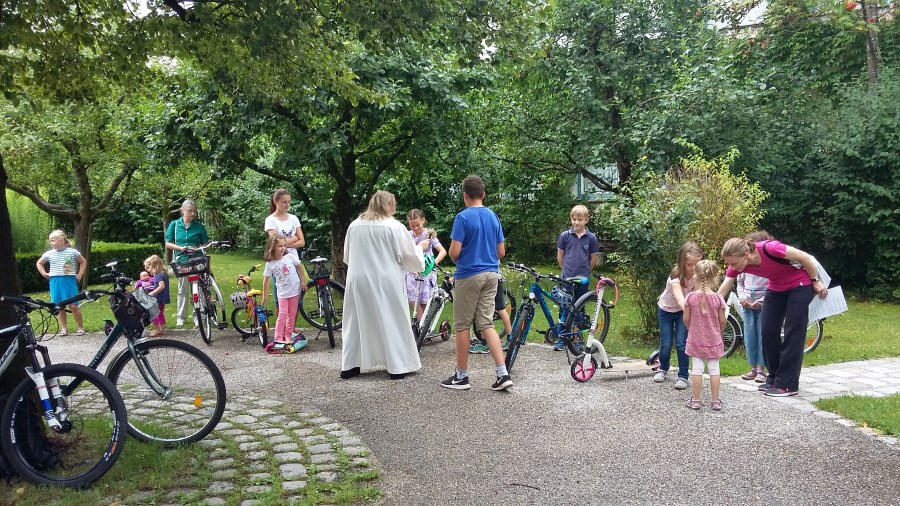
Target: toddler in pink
x,y
704,316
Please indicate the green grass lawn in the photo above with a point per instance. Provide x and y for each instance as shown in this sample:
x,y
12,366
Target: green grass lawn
x,y
880,413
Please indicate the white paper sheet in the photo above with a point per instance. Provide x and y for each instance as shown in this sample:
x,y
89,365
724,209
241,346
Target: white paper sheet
x,y
833,304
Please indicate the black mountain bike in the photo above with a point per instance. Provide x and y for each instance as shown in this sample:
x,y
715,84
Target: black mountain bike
x,y
322,305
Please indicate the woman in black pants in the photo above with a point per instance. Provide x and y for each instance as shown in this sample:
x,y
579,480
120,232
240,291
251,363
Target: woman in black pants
x,y
793,282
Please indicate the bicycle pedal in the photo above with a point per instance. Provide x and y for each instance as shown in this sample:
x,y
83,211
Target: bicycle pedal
x,y
221,326
541,332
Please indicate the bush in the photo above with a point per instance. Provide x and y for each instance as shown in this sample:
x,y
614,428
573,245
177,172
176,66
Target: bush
x,y
30,225
130,256
699,200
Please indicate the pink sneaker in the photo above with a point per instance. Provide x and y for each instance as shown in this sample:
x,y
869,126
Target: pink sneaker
x,y
761,377
751,374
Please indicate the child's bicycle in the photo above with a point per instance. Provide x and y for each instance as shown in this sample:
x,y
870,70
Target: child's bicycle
x,y
537,296
249,318
64,424
322,305
589,322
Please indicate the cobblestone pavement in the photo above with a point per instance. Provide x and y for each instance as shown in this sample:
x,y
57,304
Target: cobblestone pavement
x,y
873,378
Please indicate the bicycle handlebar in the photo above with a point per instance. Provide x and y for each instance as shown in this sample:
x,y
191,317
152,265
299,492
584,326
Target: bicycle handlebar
x,y
604,280
211,244
538,275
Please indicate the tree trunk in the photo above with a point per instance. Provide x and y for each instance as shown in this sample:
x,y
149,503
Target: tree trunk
x,y
345,211
84,228
872,48
9,285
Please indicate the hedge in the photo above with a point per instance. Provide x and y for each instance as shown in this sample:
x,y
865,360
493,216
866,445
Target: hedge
x,y
130,256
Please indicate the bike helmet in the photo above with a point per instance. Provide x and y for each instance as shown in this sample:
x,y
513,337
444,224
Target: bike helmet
x,y
239,299
561,297
429,264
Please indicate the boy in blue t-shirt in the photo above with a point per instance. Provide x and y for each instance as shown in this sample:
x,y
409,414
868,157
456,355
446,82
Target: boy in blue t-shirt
x,y
477,245
577,253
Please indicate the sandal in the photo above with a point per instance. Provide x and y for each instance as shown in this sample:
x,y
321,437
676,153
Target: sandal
x,y
694,404
63,333
717,405
79,332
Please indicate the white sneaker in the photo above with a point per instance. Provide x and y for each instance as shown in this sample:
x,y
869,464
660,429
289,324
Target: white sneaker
x,y
681,384
179,322
659,377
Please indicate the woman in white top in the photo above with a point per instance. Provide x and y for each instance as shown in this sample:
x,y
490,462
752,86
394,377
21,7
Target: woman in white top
x,y
280,221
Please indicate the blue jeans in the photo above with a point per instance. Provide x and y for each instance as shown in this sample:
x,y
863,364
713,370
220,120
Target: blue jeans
x,y
671,328
753,336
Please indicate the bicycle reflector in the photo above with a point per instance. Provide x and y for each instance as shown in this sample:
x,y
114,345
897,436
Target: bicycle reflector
x,y
429,264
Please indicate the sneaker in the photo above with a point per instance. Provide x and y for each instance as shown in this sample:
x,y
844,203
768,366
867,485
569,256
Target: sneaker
x,y
681,384
457,384
764,386
560,345
479,349
504,344
659,377
761,377
779,392
502,383
179,323
750,374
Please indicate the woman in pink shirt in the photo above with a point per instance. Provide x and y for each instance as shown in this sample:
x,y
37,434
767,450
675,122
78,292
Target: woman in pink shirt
x,y
793,282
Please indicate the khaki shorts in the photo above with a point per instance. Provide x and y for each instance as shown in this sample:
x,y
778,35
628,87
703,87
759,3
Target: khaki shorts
x,y
473,300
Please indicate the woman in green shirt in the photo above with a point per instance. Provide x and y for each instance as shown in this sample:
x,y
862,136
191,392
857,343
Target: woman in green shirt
x,y
182,236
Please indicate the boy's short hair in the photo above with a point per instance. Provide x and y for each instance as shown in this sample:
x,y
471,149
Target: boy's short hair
x,y
473,187
580,211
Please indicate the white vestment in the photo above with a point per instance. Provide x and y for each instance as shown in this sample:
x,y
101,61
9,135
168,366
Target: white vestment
x,y
376,320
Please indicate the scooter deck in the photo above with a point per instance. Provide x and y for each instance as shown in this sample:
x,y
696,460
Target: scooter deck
x,y
284,348
626,366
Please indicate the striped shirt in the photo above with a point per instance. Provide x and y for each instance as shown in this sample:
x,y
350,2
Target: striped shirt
x,y
62,263
751,288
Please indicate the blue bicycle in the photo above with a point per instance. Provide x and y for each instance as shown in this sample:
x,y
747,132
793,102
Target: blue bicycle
x,y
538,296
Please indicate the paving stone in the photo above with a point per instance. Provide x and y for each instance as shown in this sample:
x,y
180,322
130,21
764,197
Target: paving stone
x,y
281,438
259,413
140,497
220,487
258,455
224,474
219,453
259,465
319,458
293,486
223,426
259,476
285,447
304,432
326,467
321,420
340,433
270,432
215,501
244,437
243,419
319,448
295,470
289,456
181,492
250,445
327,477
221,463
279,419
360,462
211,443
350,441
355,450
293,424
230,432
256,489
331,426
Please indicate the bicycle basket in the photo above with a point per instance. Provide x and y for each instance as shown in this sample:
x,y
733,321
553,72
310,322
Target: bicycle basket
x,y
196,265
561,297
239,299
136,309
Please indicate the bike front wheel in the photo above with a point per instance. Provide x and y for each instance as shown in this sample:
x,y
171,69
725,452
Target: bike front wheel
x,y
328,305
311,310
201,310
88,443
174,392
588,315
244,321
813,336
519,333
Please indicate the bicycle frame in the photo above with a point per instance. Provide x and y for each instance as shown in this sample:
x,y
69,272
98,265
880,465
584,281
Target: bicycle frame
x,y
150,378
537,295
590,343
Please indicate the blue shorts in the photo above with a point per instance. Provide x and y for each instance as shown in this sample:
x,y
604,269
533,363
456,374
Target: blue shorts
x,y
62,287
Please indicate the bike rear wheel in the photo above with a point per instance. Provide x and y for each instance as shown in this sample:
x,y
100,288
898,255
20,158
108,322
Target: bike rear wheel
x,y
579,322
243,320
517,339
328,306
190,391
313,313
201,310
434,311
731,336
90,441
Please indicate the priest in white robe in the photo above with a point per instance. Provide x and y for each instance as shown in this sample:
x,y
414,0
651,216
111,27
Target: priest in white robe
x,y
376,320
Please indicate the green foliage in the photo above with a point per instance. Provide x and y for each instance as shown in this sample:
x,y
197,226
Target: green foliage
x,y
700,200
130,256
853,216
30,225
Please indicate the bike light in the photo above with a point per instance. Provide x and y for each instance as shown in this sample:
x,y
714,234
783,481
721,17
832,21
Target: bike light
x,y
193,277
322,282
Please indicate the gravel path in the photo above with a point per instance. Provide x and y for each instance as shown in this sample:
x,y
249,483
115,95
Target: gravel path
x,y
550,440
